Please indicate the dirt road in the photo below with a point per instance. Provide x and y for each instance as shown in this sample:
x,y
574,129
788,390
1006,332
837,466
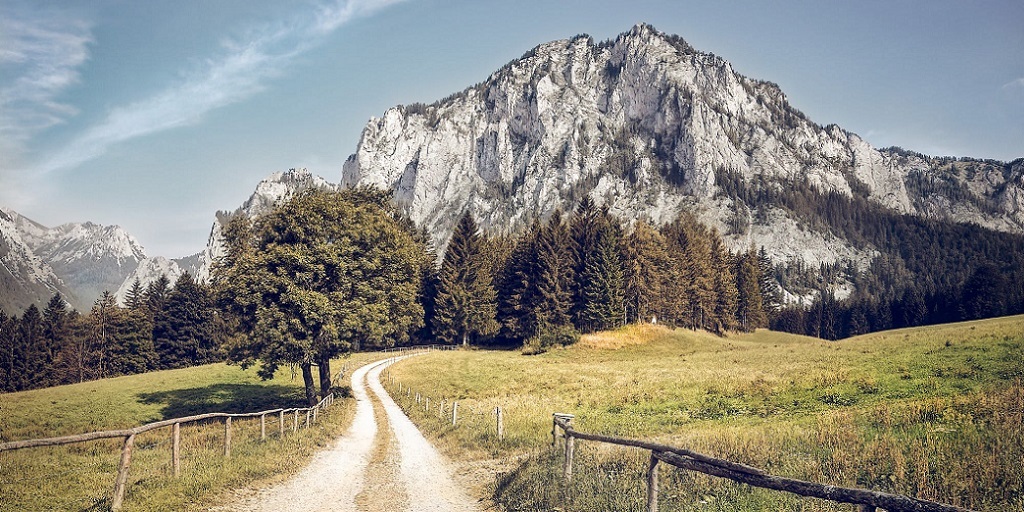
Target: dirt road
x,y
382,463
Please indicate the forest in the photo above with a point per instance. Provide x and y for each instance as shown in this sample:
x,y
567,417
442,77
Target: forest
x,y
299,287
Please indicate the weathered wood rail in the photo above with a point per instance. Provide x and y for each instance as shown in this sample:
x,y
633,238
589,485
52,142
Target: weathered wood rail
x,y
867,500
117,500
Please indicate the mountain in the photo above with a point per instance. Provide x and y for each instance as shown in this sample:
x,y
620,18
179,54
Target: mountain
x,y
648,126
79,260
275,188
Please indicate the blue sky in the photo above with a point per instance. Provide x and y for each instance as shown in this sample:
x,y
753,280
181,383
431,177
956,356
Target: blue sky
x,y
153,115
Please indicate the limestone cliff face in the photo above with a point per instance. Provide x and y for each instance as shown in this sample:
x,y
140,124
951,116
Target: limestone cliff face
x,y
648,125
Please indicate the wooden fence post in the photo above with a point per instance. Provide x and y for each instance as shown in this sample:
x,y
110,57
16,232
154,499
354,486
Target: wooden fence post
x,y
176,449
652,484
263,427
570,445
426,406
307,418
501,424
316,410
281,417
455,413
295,421
227,437
122,473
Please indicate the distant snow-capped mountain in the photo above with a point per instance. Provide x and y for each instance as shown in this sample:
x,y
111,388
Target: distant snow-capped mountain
x,y
79,260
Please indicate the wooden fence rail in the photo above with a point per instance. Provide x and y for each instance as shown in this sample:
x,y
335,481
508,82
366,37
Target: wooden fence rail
x,y
868,500
129,438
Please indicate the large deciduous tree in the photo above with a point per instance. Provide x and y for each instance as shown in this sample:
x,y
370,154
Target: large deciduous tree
x,y
318,275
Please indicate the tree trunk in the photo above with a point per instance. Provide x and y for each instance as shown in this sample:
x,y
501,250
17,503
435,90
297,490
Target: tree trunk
x,y
465,338
307,378
324,365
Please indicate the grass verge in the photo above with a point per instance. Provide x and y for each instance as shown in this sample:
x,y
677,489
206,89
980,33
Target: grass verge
x,y
81,476
932,412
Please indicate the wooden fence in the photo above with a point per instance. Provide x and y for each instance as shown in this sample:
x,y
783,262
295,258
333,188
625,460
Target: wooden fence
x,y
868,501
311,414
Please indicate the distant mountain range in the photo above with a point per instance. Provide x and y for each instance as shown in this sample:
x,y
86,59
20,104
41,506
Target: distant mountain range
x,y
643,123
79,260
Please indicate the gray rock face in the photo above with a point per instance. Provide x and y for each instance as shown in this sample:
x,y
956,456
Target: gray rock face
x,y
648,125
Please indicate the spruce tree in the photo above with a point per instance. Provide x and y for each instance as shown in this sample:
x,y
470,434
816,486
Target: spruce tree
x,y
771,294
56,330
555,274
465,305
517,295
183,332
584,229
602,280
135,298
7,333
646,267
726,295
750,310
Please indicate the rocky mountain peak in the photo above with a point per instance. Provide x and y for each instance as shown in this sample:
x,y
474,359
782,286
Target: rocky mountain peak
x,y
648,126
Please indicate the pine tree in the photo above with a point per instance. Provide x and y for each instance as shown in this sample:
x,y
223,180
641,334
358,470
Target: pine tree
x,y
135,299
465,306
726,295
183,331
750,310
689,242
104,330
602,280
646,267
555,274
55,333
516,289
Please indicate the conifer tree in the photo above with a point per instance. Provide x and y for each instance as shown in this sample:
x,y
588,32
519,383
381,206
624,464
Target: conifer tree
x,y
517,295
771,294
28,355
554,274
602,279
726,295
585,232
750,310
7,333
55,333
135,298
465,306
183,332
646,267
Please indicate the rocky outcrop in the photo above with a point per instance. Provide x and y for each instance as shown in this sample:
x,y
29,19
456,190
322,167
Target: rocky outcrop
x,y
647,125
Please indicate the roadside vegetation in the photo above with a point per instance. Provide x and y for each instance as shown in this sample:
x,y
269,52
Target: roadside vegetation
x,y
81,476
933,412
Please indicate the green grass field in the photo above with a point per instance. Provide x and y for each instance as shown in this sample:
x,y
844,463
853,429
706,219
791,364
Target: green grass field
x,y
933,412
81,476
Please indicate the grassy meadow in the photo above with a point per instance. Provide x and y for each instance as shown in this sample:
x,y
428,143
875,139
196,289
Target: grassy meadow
x,y
81,476
933,412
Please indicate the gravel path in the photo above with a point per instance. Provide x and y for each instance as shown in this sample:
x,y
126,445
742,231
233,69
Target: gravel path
x,y
370,468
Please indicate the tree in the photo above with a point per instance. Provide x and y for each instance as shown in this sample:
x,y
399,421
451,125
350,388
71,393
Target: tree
x,y
465,305
55,333
517,295
750,310
646,267
318,275
183,330
601,280
555,274
771,295
135,299
7,333
726,295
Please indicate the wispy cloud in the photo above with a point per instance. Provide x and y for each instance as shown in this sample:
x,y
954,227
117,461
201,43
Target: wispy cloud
x,y
41,51
1013,91
241,69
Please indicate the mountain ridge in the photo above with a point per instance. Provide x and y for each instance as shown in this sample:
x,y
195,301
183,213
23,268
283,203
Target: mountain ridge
x,y
647,125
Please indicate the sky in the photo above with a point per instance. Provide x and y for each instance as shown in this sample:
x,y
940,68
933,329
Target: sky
x,y
154,115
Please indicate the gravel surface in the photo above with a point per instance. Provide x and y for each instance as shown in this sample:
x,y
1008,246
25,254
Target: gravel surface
x,y
370,468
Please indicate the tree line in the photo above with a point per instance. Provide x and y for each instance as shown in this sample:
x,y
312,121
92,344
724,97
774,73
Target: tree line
x,y
161,326
329,272
585,273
